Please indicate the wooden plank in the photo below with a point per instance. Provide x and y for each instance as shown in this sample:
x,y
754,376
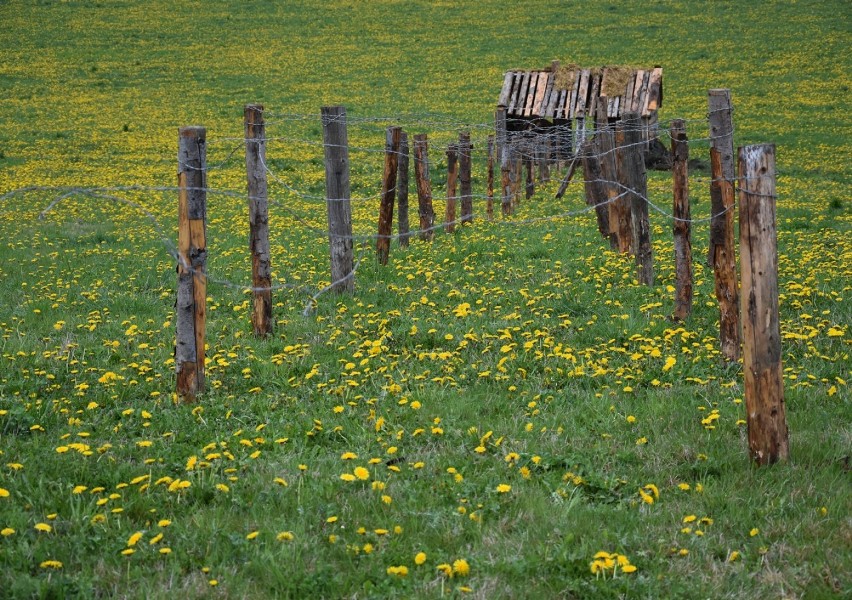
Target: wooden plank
x,y
560,104
550,96
643,93
543,83
530,99
625,102
507,88
522,94
572,102
637,89
517,78
593,95
655,88
582,93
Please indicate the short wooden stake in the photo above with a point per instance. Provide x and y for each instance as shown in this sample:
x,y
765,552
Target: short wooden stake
x,y
402,191
338,199
392,141
764,386
465,165
261,263
424,187
682,227
633,177
489,190
191,306
452,180
722,254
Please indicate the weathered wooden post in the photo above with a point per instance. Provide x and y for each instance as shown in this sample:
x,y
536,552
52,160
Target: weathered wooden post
x,y
392,141
504,156
633,176
596,190
465,165
191,305
402,191
489,190
619,209
337,193
764,386
452,179
424,187
261,263
682,221
722,255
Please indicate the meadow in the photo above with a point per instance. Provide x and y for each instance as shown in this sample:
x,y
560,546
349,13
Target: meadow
x,y
501,413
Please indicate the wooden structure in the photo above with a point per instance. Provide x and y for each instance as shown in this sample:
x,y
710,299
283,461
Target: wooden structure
x,y
555,106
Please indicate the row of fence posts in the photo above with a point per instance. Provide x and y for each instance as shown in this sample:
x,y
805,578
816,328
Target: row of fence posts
x,y
615,184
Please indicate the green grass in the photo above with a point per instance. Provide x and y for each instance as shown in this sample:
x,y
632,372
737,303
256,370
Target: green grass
x,y
562,356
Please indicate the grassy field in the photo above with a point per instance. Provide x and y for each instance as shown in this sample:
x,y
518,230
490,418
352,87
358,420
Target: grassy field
x,y
485,414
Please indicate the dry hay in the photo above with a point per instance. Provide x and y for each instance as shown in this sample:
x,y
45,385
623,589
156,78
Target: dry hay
x,y
565,76
616,80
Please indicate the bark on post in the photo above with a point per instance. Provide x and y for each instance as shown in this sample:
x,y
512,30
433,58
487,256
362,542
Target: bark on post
x,y
261,261
402,191
619,209
465,164
489,203
682,221
633,177
191,305
452,179
764,386
596,190
424,187
337,192
503,156
392,141
722,254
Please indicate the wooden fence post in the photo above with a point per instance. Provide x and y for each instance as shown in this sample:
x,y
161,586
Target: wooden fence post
x,y
682,221
489,202
392,141
452,179
424,187
465,164
596,190
337,193
764,386
619,208
722,255
191,306
503,156
261,263
402,191
633,176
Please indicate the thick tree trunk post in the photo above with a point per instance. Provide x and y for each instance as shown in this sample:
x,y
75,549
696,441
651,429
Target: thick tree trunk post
x,y
465,165
504,160
337,192
261,262
615,198
596,193
392,140
682,221
633,176
722,253
402,191
489,203
764,386
424,187
191,306
722,140
452,180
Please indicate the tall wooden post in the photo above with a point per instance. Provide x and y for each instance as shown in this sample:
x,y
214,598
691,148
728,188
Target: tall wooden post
x,y
504,157
261,262
489,190
392,141
722,254
452,179
191,306
619,208
764,386
402,191
596,190
424,187
465,164
682,221
635,179
337,192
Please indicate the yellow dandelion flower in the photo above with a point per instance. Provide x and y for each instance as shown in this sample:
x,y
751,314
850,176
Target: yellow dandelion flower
x,y
285,536
134,539
461,567
50,564
44,527
420,558
361,473
504,488
252,535
7,531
